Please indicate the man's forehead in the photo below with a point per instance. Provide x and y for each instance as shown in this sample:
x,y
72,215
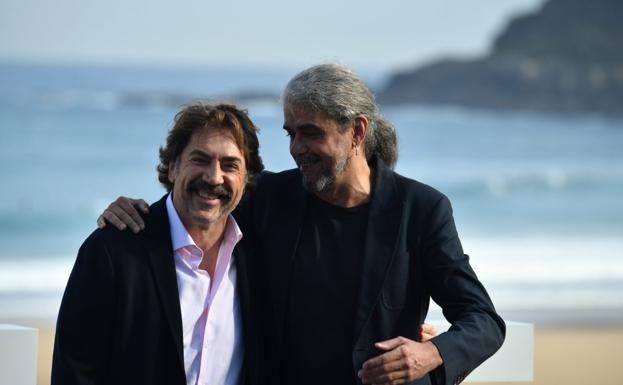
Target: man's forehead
x,y
298,115
302,109
214,140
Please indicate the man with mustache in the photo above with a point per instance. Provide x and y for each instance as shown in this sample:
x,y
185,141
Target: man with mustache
x,y
352,252
173,304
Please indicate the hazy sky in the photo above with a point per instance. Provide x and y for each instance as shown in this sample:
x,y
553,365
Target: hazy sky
x,y
381,34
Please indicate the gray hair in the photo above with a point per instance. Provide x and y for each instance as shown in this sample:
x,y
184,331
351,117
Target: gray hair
x,y
342,95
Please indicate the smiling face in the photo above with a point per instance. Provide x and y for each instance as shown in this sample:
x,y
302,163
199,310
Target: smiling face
x,y
208,178
319,149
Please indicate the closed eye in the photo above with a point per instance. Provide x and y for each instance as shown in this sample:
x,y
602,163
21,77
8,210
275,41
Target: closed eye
x,y
230,166
200,161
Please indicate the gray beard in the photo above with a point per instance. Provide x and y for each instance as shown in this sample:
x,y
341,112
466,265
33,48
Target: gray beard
x,y
326,182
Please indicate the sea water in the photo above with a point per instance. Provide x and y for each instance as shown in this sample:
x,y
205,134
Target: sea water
x,y
537,199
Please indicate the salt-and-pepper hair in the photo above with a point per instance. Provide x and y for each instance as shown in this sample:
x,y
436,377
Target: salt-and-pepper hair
x,y
342,95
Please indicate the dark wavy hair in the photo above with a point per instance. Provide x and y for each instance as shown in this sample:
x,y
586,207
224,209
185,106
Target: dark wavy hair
x,y
198,116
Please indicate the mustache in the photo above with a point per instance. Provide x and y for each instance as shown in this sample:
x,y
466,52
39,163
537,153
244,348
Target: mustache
x,y
220,191
306,159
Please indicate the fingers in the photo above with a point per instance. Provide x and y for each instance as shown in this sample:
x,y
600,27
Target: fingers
x,y
390,344
405,362
428,329
110,217
383,359
122,214
101,222
141,205
397,377
127,212
427,332
425,336
384,373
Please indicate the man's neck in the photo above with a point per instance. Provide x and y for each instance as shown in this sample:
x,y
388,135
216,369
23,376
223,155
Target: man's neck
x,y
352,187
206,238
209,240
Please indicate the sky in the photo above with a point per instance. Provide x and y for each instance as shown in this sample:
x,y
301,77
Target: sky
x,y
374,35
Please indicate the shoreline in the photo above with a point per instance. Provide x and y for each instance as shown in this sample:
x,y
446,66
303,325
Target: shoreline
x,y
541,318
555,318
595,352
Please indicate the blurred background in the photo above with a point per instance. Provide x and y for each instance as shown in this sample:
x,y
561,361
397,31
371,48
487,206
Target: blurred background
x,y
513,108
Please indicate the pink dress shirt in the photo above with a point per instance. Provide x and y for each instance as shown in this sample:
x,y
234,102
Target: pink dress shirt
x,y
211,321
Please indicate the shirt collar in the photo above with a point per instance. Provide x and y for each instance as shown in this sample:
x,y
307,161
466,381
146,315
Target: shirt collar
x,y
180,237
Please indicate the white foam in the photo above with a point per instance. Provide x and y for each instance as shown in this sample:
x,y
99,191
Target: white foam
x,y
546,260
26,307
518,272
34,275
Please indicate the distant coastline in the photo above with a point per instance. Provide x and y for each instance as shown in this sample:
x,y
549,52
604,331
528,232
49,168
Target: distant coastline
x,y
565,58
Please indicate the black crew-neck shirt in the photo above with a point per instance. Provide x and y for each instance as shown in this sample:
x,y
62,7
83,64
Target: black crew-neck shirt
x,y
324,292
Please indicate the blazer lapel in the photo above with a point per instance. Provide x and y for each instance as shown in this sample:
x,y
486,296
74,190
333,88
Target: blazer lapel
x,y
247,312
290,206
384,222
160,250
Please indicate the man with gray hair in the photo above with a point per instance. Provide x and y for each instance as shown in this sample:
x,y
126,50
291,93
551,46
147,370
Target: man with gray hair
x,y
356,256
353,252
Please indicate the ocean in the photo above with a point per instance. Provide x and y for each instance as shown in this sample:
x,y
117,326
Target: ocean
x,y
537,199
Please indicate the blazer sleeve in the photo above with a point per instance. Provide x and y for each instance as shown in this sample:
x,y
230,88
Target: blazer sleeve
x,y
82,346
477,331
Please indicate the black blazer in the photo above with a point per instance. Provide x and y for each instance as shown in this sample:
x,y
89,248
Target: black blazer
x,y
120,320
412,253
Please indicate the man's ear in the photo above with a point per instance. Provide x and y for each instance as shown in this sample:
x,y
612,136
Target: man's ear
x,y
360,130
172,171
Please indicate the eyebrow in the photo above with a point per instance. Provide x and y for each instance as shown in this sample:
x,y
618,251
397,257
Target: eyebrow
x,y
305,126
229,158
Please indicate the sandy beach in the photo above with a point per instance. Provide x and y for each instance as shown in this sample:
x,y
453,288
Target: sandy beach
x,y
570,356
578,356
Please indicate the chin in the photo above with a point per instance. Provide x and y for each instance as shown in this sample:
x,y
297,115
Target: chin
x,y
208,215
319,185
207,220
310,184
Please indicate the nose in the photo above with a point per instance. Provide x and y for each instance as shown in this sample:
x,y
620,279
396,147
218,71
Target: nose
x,y
297,146
213,174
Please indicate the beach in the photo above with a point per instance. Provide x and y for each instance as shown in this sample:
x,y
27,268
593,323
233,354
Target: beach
x,y
578,355
536,198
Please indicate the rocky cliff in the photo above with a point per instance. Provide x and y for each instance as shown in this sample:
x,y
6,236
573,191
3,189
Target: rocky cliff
x,y
567,57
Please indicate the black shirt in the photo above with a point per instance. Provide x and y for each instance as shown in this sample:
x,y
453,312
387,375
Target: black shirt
x,y
324,291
